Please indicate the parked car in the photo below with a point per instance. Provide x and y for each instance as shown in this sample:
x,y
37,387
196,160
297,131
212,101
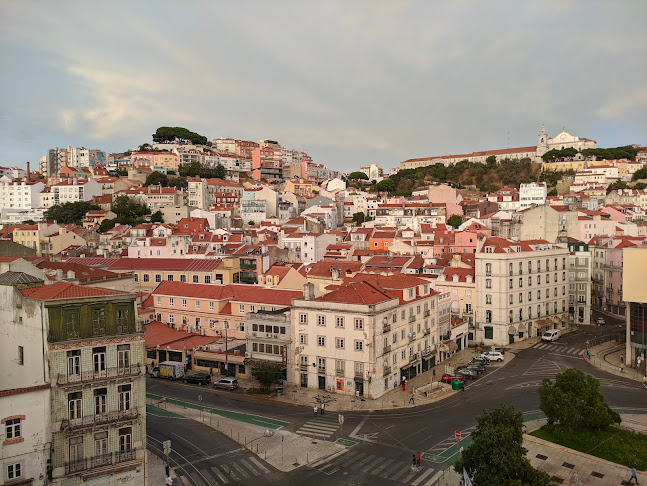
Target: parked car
x,y
199,378
551,335
226,384
600,321
449,378
476,366
497,349
481,359
467,373
493,356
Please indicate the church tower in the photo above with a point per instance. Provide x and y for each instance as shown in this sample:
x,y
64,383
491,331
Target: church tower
x,y
542,143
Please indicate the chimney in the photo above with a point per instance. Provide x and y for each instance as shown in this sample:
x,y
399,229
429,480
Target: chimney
x,y
28,172
309,291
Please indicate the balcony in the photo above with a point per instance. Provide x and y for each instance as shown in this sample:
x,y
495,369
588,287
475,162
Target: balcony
x,y
386,328
359,373
427,331
412,336
321,371
387,349
427,351
91,376
99,419
112,458
426,313
412,318
248,264
414,357
387,371
303,367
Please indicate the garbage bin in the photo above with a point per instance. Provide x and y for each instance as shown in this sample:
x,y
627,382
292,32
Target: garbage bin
x,y
456,384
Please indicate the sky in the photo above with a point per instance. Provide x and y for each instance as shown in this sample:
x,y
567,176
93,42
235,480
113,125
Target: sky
x,y
351,82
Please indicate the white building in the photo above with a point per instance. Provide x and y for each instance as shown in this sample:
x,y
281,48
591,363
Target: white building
x,y
70,191
308,247
521,289
365,336
532,193
20,195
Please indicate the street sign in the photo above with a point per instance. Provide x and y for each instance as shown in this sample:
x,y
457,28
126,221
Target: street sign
x,y
457,434
341,419
167,447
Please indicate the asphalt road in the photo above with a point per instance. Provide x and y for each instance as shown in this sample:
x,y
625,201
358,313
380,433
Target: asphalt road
x,y
386,440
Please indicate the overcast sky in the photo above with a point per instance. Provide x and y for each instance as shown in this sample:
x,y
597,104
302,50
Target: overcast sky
x,y
351,82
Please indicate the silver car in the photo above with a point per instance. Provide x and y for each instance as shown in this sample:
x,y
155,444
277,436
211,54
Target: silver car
x,y
226,384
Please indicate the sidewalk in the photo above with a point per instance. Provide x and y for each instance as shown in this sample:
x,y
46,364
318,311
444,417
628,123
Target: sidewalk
x,y
394,398
606,357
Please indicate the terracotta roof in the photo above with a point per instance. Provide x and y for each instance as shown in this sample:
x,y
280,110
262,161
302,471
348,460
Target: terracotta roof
x,y
231,292
324,269
66,290
356,293
462,274
158,334
167,264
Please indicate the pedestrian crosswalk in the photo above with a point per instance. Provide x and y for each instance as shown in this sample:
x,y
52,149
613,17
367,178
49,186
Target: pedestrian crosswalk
x,y
396,471
561,348
243,470
543,367
322,427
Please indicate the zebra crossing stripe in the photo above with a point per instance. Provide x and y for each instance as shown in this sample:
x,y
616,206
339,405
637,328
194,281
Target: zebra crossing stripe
x,y
377,470
402,471
185,481
422,477
435,478
207,476
197,479
249,466
582,352
354,459
371,464
217,472
571,350
259,465
387,472
365,460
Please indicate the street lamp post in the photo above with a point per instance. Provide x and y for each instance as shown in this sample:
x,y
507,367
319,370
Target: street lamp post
x,y
267,433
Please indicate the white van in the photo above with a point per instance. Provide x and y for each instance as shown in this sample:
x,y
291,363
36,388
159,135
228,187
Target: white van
x,y
552,335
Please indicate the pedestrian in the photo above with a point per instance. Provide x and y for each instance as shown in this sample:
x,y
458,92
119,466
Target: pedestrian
x,y
411,400
315,411
419,460
462,385
622,368
357,394
622,359
413,464
633,475
322,408
588,353
211,371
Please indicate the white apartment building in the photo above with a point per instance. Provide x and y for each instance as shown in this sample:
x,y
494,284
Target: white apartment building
x,y
20,195
70,191
532,193
81,157
579,287
308,247
269,337
521,289
365,336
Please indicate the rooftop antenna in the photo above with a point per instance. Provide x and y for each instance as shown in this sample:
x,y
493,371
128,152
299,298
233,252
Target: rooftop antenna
x,y
508,138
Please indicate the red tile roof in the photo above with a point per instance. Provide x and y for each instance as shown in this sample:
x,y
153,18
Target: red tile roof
x,y
356,293
166,264
66,290
232,292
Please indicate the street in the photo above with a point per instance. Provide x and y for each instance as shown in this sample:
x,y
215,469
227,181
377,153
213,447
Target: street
x,y
382,442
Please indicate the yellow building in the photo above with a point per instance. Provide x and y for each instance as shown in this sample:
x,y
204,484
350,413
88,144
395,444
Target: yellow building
x,y
300,187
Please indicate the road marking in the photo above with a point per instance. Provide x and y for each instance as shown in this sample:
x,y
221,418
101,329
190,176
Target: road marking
x,y
259,465
241,470
197,479
377,470
434,479
366,460
184,480
354,459
422,477
387,472
208,476
582,352
402,471
217,472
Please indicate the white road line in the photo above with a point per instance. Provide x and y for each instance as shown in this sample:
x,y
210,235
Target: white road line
x,y
372,464
571,350
402,471
350,461
583,352
259,465
251,468
433,480
422,477
184,480
217,472
391,469
380,467
209,477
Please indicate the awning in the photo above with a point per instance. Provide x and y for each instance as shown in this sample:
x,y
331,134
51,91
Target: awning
x,y
543,323
448,346
522,328
511,330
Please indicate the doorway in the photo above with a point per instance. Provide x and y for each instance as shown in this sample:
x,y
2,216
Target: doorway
x,y
322,382
359,387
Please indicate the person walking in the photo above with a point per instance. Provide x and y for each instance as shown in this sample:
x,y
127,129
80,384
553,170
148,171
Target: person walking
x,y
588,353
633,475
462,385
413,464
322,408
411,400
315,411
211,371
419,460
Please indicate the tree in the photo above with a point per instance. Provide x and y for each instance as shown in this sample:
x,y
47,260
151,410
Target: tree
x,y
129,211
552,192
574,400
220,171
359,218
386,185
178,182
107,224
617,185
491,161
639,174
358,175
157,217
267,375
497,456
156,178
455,220
171,134
69,212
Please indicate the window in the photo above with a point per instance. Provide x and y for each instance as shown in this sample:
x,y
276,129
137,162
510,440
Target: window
x,y
489,332
547,293
21,355
196,279
125,439
321,320
510,284
359,345
101,449
241,308
488,316
74,364
538,279
76,453
75,405
510,299
339,343
520,298
488,269
72,323
321,340
99,360
339,367
158,300
359,323
510,271
488,283
146,278
303,338
303,318
158,278
183,302
99,321
171,301
321,364
14,471
207,279
171,318
169,277
339,321
124,397
100,398
211,305
488,299
182,278
529,280
548,278
12,429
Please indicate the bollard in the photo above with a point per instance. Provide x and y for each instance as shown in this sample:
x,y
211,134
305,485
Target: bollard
x,y
238,436
257,448
307,460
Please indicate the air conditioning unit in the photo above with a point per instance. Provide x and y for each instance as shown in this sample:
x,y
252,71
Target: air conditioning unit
x,y
268,335
219,332
248,354
18,305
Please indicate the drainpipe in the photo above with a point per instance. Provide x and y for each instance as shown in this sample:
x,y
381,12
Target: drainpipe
x,y
42,335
